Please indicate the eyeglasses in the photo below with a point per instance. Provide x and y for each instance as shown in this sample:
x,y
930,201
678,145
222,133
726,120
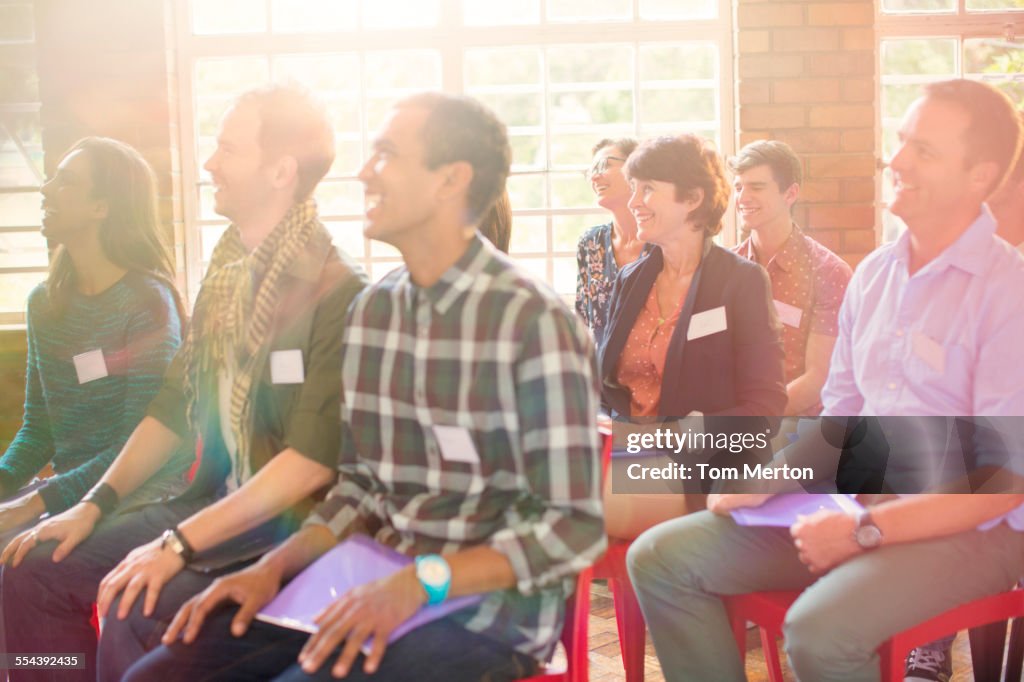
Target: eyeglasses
x,y
601,166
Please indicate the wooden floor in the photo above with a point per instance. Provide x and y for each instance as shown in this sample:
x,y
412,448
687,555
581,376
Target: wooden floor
x,y
606,660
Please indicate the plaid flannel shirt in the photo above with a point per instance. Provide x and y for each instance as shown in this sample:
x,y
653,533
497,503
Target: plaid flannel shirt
x,y
489,350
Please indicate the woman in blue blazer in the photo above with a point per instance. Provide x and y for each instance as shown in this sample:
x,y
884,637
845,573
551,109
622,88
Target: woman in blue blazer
x,y
691,326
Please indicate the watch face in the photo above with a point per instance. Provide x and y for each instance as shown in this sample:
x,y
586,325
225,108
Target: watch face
x,y
171,542
869,536
433,571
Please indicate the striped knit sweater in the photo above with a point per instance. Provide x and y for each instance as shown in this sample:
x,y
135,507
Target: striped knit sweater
x,y
81,427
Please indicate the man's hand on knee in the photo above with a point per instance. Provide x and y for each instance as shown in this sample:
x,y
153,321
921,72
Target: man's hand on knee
x,y
252,588
148,568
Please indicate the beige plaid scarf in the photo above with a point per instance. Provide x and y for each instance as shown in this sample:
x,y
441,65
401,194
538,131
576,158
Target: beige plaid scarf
x,y
233,316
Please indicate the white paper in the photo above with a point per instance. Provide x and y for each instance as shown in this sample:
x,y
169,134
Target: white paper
x,y
286,367
456,444
789,314
90,366
929,350
706,323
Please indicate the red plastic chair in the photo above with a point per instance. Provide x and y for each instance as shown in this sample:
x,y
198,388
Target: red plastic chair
x,y
768,609
629,620
574,637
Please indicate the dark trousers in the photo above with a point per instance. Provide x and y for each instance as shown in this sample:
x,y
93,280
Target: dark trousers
x,y
47,605
442,651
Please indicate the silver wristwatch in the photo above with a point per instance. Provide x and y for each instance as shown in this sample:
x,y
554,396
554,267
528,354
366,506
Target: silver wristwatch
x,y
867,534
173,540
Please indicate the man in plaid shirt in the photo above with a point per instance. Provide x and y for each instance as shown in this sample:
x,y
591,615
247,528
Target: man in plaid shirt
x,y
470,442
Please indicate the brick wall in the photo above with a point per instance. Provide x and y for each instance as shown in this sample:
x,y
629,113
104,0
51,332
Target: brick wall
x,y
107,67
805,74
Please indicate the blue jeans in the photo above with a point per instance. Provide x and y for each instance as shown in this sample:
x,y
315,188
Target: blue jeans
x,y
47,605
442,651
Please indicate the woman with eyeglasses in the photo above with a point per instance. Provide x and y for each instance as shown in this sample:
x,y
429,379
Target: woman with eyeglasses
x,y
101,332
691,326
603,250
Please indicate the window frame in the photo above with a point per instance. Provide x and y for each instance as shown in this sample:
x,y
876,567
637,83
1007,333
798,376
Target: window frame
x,y
17,319
450,39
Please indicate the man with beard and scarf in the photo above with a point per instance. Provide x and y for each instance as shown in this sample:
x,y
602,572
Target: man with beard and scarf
x,y
257,379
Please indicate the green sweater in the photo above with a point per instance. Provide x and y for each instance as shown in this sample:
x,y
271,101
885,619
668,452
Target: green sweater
x,y
81,427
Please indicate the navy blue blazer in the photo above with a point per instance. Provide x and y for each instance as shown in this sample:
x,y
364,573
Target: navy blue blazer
x,y
734,372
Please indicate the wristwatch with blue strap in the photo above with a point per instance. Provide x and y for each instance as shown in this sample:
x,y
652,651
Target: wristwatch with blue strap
x,y
435,575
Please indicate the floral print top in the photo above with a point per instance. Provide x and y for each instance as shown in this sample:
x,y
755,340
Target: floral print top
x,y
596,276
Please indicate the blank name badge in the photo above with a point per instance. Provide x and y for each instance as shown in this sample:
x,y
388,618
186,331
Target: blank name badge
x,y
706,323
790,315
90,366
456,444
286,367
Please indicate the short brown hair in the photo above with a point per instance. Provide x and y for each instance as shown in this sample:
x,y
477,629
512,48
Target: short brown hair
x,y
994,131
689,162
459,128
625,144
778,156
496,226
293,122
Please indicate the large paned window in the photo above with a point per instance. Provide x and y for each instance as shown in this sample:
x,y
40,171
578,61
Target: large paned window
x,y
23,256
562,74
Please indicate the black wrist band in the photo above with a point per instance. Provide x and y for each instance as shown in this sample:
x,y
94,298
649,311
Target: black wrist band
x,y
104,497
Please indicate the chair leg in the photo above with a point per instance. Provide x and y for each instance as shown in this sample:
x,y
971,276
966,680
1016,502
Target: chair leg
x,y
1015,653
987,651
770,649
632,629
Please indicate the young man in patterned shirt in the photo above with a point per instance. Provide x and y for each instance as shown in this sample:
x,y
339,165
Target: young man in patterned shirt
x,y
469,442
808,280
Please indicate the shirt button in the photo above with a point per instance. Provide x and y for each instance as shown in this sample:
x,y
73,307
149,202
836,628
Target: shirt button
x,y
420,395
892,386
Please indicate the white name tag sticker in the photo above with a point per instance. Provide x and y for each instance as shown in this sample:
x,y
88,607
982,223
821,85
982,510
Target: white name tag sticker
x,y
929,350
706,323
90,366
789,314
286,367
456,444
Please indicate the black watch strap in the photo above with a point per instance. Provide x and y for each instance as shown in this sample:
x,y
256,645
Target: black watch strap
x,y
178,544
104,497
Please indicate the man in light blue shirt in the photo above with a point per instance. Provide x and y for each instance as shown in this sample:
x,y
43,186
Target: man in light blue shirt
x,y
929,327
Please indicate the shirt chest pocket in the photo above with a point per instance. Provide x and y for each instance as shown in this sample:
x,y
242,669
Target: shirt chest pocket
x,y
942,375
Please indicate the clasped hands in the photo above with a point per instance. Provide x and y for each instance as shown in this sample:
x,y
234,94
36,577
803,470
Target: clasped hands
x,y
823,540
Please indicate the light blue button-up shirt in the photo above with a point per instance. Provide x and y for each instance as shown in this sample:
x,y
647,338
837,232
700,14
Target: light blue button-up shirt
x,y
945,341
